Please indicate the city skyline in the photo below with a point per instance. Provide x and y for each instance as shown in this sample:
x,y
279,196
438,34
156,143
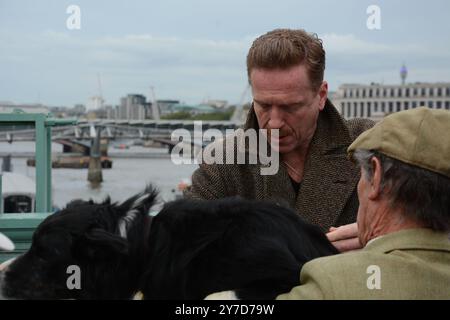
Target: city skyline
x,y
196,50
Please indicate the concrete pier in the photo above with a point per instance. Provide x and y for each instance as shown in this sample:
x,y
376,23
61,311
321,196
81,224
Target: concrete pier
x,y
95,175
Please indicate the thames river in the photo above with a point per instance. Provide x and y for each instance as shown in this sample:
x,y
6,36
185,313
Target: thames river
x,y
127,177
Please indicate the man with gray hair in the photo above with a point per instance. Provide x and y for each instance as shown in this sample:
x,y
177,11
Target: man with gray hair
x,y
403,218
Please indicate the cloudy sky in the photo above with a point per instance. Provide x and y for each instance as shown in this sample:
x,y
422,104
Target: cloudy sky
x,y
195,50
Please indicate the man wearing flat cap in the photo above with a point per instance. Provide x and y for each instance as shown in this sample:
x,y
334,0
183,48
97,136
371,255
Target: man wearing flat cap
x,y
403,218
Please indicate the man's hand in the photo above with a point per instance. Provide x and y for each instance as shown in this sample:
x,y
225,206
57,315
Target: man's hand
x,y
345,238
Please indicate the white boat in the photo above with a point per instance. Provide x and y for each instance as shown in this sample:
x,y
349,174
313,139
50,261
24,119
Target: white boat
x,y
18,193
5,243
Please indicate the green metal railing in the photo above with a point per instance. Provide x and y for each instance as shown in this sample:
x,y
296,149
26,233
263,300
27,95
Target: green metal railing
x,y
19,227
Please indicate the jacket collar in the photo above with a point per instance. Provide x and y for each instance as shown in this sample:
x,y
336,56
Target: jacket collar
x,y
329,177
419,238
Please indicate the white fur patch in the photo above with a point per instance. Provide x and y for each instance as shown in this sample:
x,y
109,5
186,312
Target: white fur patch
x,y
139,201
223,295
126,222
5,264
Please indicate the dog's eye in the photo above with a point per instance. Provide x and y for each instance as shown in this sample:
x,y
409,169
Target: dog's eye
x,y
42,250
49,253
50,247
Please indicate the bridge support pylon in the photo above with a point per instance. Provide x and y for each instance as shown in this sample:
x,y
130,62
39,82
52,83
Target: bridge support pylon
x,y
95,176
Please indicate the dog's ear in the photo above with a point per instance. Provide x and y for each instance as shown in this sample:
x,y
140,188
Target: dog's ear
x,y
135,207
100,244
78,202
140,203
107,201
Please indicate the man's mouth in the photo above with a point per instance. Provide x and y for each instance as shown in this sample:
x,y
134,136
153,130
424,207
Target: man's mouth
x,y
280,138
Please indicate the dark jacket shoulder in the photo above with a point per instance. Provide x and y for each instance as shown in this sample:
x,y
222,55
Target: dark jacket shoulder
x,y
358,125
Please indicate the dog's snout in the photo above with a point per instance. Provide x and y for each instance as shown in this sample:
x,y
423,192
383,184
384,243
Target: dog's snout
x,y
3,268
4,265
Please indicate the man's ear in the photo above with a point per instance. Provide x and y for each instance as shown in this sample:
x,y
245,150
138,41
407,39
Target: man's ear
x,y
375,183
323,95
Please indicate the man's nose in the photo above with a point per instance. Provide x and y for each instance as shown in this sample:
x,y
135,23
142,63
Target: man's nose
x,y
276,120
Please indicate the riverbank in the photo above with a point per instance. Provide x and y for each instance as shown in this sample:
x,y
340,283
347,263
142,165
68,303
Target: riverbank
x,y
113,155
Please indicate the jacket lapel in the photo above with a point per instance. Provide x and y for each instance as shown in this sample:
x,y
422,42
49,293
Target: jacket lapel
x,y
329,178
278,188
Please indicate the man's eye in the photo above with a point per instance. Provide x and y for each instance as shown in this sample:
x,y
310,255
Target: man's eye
x,y
295,106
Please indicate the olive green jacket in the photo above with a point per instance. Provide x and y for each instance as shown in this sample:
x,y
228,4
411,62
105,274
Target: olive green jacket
x,y
409,265
327,195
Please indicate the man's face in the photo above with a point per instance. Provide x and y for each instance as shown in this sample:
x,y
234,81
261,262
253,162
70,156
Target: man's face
x,y
284,99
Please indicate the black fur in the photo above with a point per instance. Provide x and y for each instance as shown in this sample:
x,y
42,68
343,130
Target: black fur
x,y
187,251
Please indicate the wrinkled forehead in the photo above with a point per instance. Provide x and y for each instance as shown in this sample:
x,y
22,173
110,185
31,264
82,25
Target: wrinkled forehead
x,y
293,76
270,86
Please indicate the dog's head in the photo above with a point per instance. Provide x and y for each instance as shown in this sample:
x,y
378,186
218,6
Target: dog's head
x,y
87,250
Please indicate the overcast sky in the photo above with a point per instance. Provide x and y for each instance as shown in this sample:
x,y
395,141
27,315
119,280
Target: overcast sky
x,y
195,50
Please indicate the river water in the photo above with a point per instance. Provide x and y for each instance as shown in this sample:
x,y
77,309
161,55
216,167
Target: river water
x,y
127,176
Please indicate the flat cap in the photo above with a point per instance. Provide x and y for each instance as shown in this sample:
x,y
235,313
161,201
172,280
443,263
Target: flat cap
x,y
419,137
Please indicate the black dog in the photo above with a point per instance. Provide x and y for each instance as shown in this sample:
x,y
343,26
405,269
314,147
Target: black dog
x,y
188,250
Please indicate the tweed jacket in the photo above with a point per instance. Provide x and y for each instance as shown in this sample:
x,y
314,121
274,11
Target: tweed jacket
x,y
327,194
411,264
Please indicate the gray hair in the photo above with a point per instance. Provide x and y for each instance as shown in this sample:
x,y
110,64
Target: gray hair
x,y
422,195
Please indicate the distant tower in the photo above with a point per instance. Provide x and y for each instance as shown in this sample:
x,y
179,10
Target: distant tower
x,y
96,102
403,73
155,107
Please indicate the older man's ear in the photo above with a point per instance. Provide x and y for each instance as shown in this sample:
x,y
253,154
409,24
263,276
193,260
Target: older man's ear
x,y
375,182
345,238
